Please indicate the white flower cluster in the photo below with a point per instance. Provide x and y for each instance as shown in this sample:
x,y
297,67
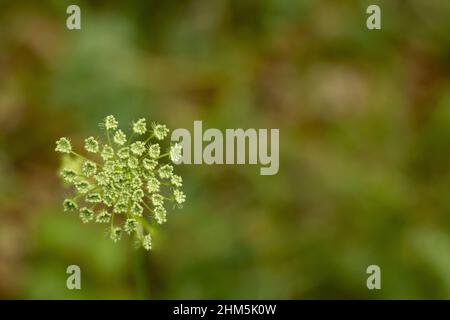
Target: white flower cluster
x,y
129,184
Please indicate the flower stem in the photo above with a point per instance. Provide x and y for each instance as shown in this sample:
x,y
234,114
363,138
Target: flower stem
x,y
163,155
141,276
129,139
148,139
109,138
83,157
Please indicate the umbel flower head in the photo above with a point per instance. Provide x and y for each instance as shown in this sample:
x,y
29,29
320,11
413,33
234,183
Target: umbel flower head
x,y
128,181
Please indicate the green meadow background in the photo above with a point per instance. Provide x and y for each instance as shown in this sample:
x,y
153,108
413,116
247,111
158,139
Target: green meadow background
x,y
364,119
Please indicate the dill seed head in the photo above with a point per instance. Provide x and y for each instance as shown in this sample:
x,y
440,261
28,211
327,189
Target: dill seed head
x,y
122,185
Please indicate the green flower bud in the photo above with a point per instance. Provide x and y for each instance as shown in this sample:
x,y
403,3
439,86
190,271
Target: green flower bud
x,y
147,242
138,148
121,207
133,162
153,185
175,153
120,138
69,205
124,153
107,152
138,195
63,145
179,196
154,151
110,123
177,181
160,131
130,225
68,175
166,171
82,186
116,234
149,164
89,168
136,183
157,199
137,209
140,126
91,145
94,198
86,215
103,217
160,214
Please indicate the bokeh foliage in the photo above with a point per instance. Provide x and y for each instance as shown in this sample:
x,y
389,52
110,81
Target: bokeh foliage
x,y
364,120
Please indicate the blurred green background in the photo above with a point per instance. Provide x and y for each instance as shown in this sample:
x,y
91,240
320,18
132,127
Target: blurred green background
x,y
364,119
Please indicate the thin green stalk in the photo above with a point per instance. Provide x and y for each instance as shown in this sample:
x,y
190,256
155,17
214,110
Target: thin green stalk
x,y
148,139
163,155
141,276
83,157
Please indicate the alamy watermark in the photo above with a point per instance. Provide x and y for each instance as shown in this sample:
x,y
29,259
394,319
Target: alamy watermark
x,y
235,146
74,280
374,280
374,20
73,21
